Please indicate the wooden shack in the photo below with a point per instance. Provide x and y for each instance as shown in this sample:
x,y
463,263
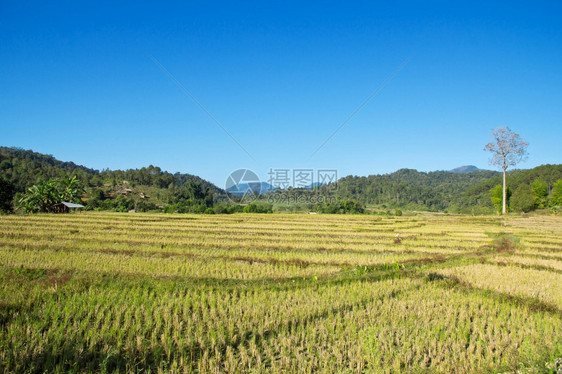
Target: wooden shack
x,y
65,207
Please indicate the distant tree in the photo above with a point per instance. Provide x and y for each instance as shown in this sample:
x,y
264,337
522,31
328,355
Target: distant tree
x,y
7,192
96,199
352,206
556,196
540,193
123,204
497,197
256,207
508,149
523,199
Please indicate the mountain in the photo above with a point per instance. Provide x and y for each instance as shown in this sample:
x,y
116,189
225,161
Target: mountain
x,y
464,169
466,192
411,189
314,185
25,168
266,187
243,188
150,186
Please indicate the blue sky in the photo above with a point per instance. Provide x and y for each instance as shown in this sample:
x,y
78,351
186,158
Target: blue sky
x,y
78,82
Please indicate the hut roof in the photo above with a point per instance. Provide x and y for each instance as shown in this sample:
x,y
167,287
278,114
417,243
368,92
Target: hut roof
x,y
72,205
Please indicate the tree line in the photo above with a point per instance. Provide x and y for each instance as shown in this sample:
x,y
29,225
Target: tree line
x,y
528,197
152,189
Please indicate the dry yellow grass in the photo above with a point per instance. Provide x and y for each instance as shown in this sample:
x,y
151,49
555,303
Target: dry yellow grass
x,y
279,293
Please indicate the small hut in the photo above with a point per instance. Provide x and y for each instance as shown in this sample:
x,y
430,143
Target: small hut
x,y
65,207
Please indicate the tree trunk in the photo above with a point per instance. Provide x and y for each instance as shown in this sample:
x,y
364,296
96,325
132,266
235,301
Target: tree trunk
x,y
504,210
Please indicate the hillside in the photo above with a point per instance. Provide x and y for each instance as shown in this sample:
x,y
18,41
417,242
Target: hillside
x,y
411,189
455,192
25,168
149,186
479,195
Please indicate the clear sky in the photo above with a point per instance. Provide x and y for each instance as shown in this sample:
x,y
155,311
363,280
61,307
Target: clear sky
x,y
80,82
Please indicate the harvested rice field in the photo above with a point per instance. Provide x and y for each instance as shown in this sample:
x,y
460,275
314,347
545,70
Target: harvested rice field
x,y
280,293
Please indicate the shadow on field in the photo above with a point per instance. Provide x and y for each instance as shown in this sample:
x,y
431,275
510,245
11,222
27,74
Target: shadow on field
x,y
532,304
75,354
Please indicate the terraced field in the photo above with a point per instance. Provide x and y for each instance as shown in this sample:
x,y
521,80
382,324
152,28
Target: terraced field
x,y
94,292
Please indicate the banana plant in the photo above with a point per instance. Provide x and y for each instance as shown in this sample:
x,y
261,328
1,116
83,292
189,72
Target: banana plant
x,y
43,197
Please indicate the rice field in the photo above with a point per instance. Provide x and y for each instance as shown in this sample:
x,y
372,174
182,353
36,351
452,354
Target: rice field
x,y
280,293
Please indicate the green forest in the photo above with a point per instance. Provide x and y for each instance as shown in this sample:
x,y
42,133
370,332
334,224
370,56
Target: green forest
x,y
33,182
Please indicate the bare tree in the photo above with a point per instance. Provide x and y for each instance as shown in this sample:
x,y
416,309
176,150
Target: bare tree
x,y
508,150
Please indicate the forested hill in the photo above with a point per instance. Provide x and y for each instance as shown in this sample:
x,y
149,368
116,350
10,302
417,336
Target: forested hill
x,y
440,190
24,168
412,189
479,195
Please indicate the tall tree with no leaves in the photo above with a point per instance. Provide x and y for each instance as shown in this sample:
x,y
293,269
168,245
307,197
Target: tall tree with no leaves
x,y
507,150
